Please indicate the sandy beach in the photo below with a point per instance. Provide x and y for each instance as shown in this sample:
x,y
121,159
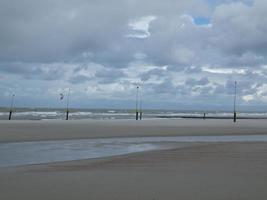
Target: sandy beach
x,y
200,171
12,131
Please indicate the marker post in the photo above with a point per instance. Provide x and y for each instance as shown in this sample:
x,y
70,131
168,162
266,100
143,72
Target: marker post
x,y
235,104
11,107
140,106
136,106
67,110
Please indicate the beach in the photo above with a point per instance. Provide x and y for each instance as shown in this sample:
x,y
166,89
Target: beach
x,y
31,130
228,170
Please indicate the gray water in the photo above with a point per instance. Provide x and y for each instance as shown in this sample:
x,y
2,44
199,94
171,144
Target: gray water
x,y
25,153
106,114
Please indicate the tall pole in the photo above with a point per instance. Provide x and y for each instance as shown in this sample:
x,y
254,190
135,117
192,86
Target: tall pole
x,y
11,107
235,104
136,106
140,106
67,110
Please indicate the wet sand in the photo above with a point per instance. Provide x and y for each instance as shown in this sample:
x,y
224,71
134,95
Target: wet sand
x,y
216,171
203,171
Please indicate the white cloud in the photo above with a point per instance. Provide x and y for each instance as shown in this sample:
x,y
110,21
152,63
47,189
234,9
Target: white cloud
x,y
248,98
141,27
224,70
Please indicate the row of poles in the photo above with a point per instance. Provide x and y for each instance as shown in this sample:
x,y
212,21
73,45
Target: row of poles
x,y
138,106
13,99
235,115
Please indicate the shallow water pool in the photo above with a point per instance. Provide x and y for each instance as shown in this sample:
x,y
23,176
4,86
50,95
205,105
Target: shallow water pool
x,y
26,153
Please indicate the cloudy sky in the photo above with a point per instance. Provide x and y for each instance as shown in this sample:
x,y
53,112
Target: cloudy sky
x,y
184,53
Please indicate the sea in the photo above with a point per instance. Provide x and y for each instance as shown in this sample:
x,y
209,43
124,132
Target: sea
x,y
113,114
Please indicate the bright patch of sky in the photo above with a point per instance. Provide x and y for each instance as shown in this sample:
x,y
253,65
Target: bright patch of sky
x,y
224,70
202,21
248,98
140,27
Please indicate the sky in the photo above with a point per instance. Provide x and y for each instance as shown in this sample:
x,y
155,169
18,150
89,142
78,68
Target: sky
x,y
184,54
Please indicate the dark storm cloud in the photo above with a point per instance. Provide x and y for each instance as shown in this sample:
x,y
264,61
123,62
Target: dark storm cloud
x,y
243,32
154,72
192,82
56,31
244,87
109,75
163,90
52,31
78,79
48,31
33,70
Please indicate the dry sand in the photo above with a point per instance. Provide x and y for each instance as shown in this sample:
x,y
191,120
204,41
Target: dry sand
x,y
229,171
11,131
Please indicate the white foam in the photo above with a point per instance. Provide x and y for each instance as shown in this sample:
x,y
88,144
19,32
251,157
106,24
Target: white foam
x,y
3,113
80,113
35,113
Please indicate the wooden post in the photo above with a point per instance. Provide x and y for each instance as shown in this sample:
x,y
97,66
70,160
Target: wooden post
x,y
67,115
234,116
136,106
11,107
67,110
235,104
10,114
140,106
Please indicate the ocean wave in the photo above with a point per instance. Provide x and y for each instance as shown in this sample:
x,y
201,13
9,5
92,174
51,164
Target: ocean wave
x,y
80,113
35,113
119,114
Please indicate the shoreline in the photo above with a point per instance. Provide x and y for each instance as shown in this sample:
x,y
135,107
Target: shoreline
x,y
23,153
